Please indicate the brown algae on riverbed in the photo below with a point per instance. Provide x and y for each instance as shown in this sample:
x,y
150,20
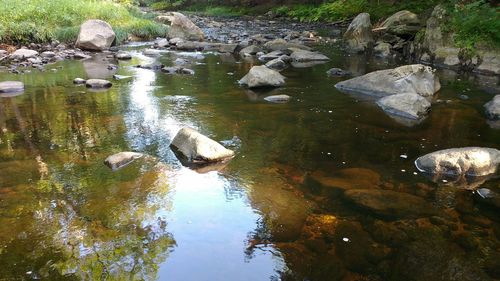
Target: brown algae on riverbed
x,y
279,210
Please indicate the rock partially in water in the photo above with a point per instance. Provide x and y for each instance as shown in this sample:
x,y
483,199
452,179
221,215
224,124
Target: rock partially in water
x,y
359,33
121,77
79,81
153,52
338,72
382,49
151,66
488,197
270,56
21,54
282,45
98,83
410,106
227,48
402,23
261,76
48,54
389,203
492,108
411,79
458,162
162,43
250,50
305,56
181,27
195,148
95,35
177,70
11,87
121,159
123,56
276,64
278,98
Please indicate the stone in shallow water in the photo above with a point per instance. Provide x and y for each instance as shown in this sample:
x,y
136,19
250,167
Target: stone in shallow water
x,y
276,64
457,162
351,178
79,81
492,108
195,148
278,98
415,79
304,56
389,203
11,86
338,72
21,54
123,56
261,76
411,106
488,197
98,83
121,159
121,77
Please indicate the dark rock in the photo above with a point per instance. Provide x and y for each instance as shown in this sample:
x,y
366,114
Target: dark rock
x,y
98,83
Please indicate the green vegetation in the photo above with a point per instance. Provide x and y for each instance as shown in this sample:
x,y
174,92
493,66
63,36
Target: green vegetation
x,y
42,21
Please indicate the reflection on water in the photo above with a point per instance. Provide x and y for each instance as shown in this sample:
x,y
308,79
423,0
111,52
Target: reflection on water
x,y
277,211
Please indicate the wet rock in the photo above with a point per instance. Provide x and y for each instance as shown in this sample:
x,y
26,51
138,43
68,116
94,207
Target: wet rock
x,y
152,52
488,197
382,49
195,148
388,233
282,45
359,33
338,72
123,56
79,81
180,61
250,50
389,203
121,77
162,43
151,66
261,76
458,162
305,56
181,27
276,64
80,55
402,23
11,87
96,35
98,83
21,54
270,56
122,159
410,106
415,79
492,108
177,70
278,98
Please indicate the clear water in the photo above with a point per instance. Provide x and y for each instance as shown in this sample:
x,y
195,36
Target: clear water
x,y
65,216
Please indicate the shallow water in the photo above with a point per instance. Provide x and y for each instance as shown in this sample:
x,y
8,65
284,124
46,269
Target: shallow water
x,y
265,215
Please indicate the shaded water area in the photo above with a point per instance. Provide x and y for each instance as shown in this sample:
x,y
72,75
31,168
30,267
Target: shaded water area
x,y
275,212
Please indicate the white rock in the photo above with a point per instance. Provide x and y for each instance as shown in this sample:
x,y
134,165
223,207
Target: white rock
x,y
96,35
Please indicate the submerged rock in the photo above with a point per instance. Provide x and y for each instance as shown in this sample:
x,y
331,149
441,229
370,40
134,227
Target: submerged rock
x,y
195,148
492,108
278,98
181,27
411,79
488,197
457,162
261,76
390,203
411,106
338,72
121,159
359,33
11,86
98,83
96,35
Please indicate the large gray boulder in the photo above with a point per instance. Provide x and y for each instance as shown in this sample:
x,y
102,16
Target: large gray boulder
x,y
261,76
410,79
299,55
121,159
493,108
95,35
410,106
21,54
11,86
458,162
359,33
402,23
181,27
196,148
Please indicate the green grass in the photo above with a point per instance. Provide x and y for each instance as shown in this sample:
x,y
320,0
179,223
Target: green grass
x,y
45,20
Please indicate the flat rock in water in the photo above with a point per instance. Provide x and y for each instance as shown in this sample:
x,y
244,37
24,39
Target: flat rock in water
x,y
98,83
261,76
196,148
492,108
152,52
121,77
410,106
271,56
11,87
21,54
79,81
338,72
121,159
390,203
278,98
276,64
123,56
305,56
95,35
250,50
411,79
457,162
281,45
